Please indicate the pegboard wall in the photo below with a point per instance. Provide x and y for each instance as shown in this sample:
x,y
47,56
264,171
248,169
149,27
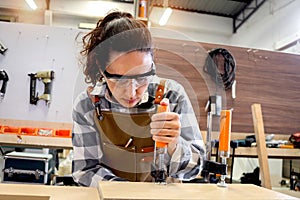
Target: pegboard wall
x,y
34,48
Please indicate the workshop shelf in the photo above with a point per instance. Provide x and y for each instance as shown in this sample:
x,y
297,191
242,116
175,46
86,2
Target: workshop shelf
x,y
10,130
35,131
46,132
28,131
63,133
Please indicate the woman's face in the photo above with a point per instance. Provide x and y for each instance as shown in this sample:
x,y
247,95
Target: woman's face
x,y
128,77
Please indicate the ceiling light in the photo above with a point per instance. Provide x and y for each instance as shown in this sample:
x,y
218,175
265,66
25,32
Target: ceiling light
x,y
287,42
87,26
31,4
165,17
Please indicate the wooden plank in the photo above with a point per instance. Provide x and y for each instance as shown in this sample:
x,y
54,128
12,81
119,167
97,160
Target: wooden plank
x,y
38,124
242,135
35,141
279,153
25,191
52,142
261,145
113,190
23,197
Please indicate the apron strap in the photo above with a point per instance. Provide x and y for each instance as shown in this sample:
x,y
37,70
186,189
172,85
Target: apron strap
x,y
160,91
96,101
94,98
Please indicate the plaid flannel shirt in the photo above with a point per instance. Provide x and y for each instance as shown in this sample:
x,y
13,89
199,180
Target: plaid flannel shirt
x,y
185,163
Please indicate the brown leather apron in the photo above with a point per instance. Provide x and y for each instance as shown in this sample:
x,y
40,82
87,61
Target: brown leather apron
x,y
127,145
126,141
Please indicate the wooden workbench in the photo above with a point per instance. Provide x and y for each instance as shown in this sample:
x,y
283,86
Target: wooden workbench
x,y
35,141
66,143
188,191
43,192
280,153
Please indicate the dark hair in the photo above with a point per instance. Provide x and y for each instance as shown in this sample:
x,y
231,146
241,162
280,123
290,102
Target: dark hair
x,y
117,32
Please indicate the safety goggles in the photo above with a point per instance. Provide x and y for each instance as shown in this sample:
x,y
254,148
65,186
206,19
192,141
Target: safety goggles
x,y
126,80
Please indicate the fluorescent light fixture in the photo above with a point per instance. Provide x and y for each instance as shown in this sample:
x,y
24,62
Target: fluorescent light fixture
x,y
165,17
87,25
287,42
31,4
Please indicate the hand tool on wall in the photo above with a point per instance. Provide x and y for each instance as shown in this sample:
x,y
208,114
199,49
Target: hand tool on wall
x,y
214,105
2,48
4,79
160,172
47,78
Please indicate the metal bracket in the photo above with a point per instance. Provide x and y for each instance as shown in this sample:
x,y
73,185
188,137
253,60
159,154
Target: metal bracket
x,y
11,171
246,13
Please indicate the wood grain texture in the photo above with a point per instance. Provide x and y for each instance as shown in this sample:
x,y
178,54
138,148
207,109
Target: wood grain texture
x,y
26,191
261,145
38,124
271,79
112,190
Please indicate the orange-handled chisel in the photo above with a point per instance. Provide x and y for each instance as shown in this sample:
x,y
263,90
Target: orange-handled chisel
x,y
160,150
162,108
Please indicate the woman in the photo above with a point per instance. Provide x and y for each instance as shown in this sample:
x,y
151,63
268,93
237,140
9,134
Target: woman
x,y
115,121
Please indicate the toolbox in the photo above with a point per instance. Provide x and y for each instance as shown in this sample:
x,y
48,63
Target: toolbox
x,y
27,167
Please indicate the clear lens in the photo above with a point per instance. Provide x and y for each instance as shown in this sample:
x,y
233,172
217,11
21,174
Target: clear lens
x,y
137,81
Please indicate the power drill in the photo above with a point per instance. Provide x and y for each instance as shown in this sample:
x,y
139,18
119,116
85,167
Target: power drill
x,y
46,77
4,79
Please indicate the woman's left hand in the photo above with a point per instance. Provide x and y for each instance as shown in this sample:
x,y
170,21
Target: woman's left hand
x,y
165,127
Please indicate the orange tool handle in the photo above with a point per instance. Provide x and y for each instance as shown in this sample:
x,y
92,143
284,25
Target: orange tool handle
x,y
286,146
225,130
161,108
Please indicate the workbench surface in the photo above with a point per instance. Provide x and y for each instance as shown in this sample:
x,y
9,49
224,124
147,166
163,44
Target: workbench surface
x,y
186,191
141,191
46,192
